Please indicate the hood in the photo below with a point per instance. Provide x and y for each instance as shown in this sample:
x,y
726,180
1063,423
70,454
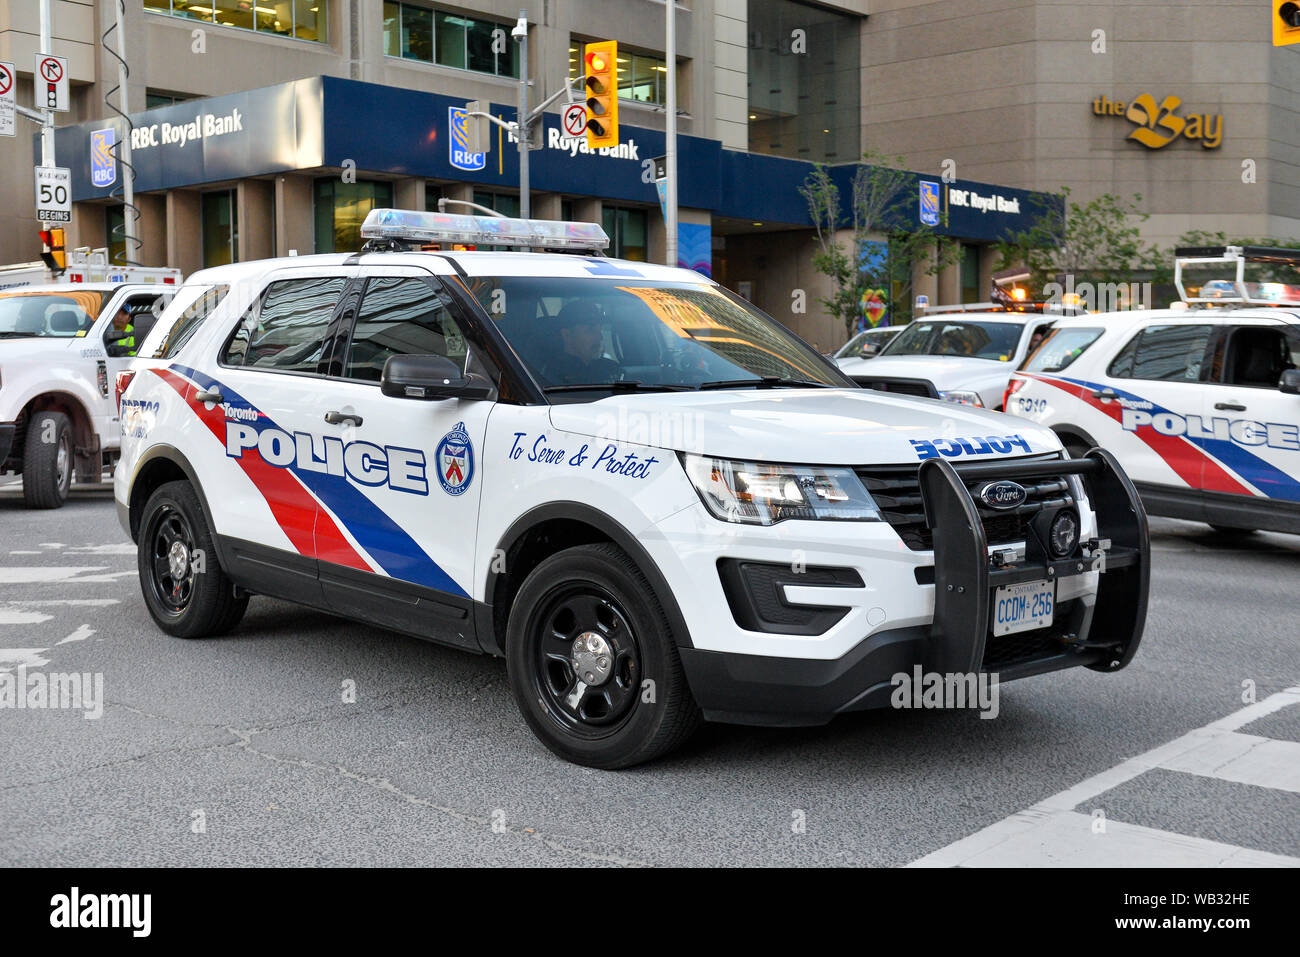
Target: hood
x,y
946,372
805,426
36,347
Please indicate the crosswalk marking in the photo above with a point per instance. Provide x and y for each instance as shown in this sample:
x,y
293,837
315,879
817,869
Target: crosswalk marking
x,y
1052,833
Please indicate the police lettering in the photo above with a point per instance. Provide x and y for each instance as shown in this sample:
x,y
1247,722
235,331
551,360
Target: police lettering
x,y
401,469
1246,432
951,448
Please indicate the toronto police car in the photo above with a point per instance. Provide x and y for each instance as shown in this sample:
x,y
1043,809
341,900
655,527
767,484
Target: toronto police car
x,y
655,502
1200,404
964,354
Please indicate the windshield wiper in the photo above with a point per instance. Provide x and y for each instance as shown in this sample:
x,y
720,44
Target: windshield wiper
x,y
624,386
764,382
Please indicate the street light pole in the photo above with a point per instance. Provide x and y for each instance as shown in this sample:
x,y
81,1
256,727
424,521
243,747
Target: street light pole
x,y
670,151
47,115
520,33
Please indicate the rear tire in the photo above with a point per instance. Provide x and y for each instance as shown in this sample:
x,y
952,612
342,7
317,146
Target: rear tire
x,y
48,460
592,662
184,586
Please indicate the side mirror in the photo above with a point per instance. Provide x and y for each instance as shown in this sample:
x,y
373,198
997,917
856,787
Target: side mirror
x,y
1290,382
429,378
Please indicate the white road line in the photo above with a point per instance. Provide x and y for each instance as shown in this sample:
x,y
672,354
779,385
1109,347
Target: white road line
x,y
1244,758
81,634
31,574
90,602
117,548
18,616
1050,832
31,657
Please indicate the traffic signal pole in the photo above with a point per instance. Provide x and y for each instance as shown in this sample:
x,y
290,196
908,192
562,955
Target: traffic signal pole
x,y
47,115
670,150
520,33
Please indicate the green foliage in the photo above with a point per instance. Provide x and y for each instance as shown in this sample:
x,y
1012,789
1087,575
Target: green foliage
x,y
880,203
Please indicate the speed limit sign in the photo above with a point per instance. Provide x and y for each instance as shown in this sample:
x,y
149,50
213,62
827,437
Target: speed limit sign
x,y
53,194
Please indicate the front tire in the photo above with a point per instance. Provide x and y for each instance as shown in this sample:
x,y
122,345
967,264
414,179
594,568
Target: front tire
x,y
592,662
185,588
48,459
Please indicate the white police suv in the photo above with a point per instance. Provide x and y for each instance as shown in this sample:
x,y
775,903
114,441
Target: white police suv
x,y
1201,404
964,354
655,502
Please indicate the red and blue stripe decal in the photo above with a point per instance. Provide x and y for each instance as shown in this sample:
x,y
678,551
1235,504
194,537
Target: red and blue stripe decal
x,y
1200,462
299,499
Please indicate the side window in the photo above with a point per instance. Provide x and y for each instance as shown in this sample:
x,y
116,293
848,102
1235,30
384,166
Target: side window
x,y
1121,367
190,321
1060,348
287,331
1164,353
401,316
1256,356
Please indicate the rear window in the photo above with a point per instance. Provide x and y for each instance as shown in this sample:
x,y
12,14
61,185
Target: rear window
x,y
1060,349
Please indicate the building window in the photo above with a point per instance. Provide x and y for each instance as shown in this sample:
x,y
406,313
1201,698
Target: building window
x,y
802,105
641,78
341,208
449,39
626,229
220,228
301,19
156,98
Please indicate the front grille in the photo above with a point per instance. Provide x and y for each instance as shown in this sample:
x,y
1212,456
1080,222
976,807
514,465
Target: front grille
x,y
897,491
921,387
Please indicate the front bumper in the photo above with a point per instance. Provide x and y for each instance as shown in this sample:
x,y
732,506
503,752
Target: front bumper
x,y
1100,631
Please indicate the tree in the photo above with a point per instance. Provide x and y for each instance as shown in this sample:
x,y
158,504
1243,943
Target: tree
x,y
881,204
1099,241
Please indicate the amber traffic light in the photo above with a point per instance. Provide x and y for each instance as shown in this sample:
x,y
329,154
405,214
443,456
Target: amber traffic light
x,y
600,62
55,253
1286,22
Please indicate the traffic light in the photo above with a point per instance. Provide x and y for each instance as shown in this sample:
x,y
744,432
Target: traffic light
x,y
55,254
600,62
1286,22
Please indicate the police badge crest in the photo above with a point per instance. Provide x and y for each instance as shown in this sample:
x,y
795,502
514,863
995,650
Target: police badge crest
x,y
455,460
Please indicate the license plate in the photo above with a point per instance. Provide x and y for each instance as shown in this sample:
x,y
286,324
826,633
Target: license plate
x,y
1023,607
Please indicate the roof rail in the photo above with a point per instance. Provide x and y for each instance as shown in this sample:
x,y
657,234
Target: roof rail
x,y
416,228
1237,256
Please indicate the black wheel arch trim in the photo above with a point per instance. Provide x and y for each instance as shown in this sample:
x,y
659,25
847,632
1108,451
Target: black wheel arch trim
x,y
614,531
1083,434
177,458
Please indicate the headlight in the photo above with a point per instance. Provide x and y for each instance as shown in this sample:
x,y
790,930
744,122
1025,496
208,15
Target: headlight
x,y
963,398
754,493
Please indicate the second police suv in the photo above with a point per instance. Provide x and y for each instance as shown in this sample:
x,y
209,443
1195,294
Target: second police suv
x,y
655,502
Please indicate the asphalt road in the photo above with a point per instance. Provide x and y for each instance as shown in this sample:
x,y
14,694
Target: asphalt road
x,y
242,750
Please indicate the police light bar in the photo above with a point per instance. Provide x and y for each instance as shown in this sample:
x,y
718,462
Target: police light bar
x,y
1238,257
413,226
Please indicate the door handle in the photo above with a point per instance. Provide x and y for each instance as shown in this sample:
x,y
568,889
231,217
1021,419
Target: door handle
x,y
1105,395
208,395
338,418
1230,407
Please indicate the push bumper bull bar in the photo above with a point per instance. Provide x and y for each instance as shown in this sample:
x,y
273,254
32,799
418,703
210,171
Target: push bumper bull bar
x,y
965,574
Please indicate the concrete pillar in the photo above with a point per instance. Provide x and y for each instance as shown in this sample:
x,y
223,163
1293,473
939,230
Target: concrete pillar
x,y
184,231
924,284
295,228
409,194
988,263
463,192
588,210
950,284
546,205
255,199
153,228
88,227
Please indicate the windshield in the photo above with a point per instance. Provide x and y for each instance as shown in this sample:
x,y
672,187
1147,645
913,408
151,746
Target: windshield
x,y
640,334
1061,347
48,315
853,346
981,340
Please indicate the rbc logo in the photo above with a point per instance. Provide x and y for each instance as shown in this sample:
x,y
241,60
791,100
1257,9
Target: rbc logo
x,y
929,202
458,143
103,164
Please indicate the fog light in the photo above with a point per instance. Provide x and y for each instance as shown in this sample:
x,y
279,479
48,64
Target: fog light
x,y
1064,534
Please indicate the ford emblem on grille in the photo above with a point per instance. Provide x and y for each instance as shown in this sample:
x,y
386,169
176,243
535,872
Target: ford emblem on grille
x,y
1003,495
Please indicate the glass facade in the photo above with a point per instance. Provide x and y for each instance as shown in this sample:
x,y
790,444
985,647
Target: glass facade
x,y
626,229
449,39
220,227
804,84
340,210
300,19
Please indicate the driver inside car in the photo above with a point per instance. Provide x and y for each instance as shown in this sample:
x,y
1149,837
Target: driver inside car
x,y
581,360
